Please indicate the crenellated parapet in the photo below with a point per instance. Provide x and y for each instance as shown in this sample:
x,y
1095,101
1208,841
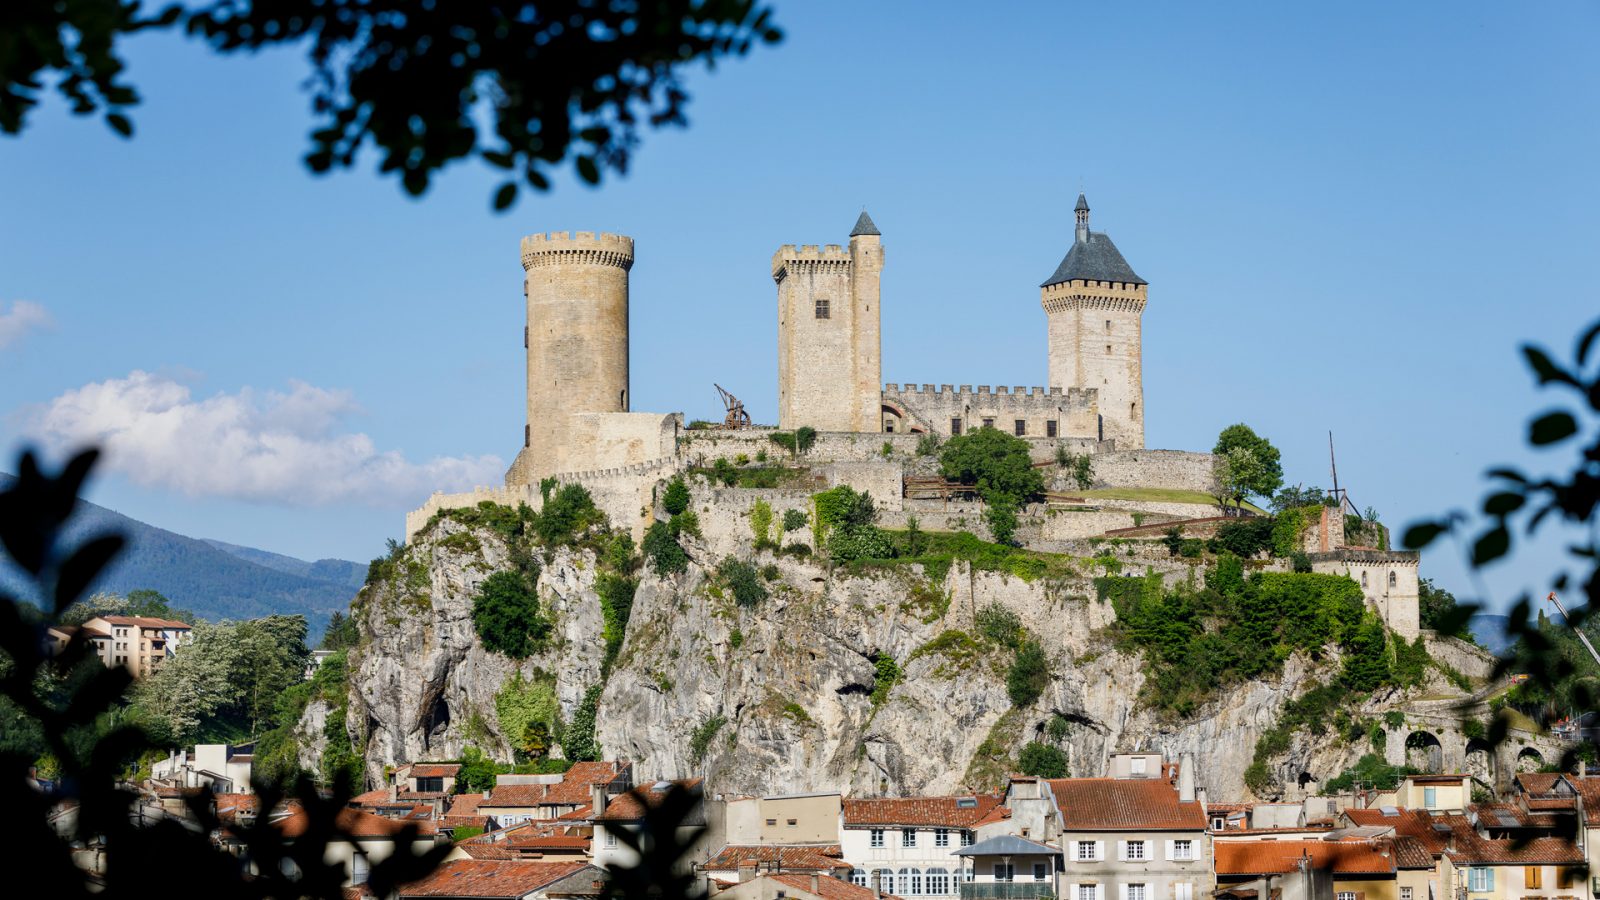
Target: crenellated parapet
x,y
562,248
829,258
1057,397
1080,293
1048,412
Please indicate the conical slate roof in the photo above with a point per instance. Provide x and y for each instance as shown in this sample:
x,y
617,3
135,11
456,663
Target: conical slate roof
x,y
1094,259
864,226
1083,203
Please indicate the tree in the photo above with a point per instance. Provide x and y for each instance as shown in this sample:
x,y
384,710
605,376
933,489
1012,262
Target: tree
x,y
342,633
1029,674
1043,761
1437,609
1261,473
505,613
477,771
1235,471
272,658
520,85
196,685
999,466
676,498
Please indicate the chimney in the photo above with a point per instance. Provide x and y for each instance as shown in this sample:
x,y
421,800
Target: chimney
x,y
816,884
1186,778
1583,769
597,798
877,885
394,792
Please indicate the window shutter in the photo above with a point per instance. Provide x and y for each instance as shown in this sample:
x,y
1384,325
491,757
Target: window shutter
x,y
1171,854
1099,854
1099,892
1490,873
1122,892
1122,854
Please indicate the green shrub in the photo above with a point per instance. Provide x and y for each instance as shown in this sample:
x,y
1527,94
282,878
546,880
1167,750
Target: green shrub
x,y
520,705
1029,674
662,549
1001,517
1191,548
725,472
676,497
686,522
793,520
886,673
1300,561
743,581
1172,539
804,437
997,623
1243,538
797,549
928,445
1043,761
1057,727
578,740
616,605
700,738
736,639
569,512
761,522
887,450
1369,771
859,542
505,614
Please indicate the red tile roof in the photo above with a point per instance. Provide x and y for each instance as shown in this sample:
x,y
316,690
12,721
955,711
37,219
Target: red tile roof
x,y
938,812
1589,789
432,770
357,823
464,804
370,798
1538,782
572,790
821,858
489,878
148,622
1410,853
1124,804
1251,858
631,806
828,888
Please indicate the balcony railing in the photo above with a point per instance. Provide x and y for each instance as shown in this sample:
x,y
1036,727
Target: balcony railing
x,y
1007,890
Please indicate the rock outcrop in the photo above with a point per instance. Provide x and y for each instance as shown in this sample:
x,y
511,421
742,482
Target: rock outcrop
x,y
785,694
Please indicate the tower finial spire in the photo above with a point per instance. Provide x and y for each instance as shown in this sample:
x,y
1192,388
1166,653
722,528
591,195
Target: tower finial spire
x,y
1081,234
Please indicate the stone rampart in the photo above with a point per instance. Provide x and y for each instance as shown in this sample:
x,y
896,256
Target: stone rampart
x,y
1072,412
1468,659
1176,469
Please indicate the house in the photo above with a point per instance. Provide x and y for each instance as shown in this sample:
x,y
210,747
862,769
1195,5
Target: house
x,y
907,845
793,819
489,879
224,768
701,830
1133,836
741,862
534,840
1358,868
137,643
519,798
1008,866
1309,818
368,838
1430,792
419,784
794,887
426,779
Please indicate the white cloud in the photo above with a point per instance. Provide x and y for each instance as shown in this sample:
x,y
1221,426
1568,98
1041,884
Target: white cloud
x,y
23,317
268,446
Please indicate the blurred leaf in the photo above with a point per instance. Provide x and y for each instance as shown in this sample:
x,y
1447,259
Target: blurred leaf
x,y
1422,534
1552,427
505,196
1492,545
1547,371
1503,503
120,124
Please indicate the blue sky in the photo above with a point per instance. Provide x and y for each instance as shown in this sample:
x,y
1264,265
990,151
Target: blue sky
x,y
1350,215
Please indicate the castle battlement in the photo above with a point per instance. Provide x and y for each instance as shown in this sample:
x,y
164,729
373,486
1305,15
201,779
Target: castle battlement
x,y
828,257
1072,396
577,248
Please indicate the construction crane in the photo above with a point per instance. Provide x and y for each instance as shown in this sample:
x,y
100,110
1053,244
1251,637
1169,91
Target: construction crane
x,y
736,417
1579,631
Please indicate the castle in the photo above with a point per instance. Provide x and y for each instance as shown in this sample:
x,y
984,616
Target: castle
x,y
580,427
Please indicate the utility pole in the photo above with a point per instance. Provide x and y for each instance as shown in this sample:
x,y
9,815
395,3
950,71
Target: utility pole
x,y
1568,619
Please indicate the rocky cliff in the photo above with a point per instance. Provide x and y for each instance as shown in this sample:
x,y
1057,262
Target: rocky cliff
x,y
788,694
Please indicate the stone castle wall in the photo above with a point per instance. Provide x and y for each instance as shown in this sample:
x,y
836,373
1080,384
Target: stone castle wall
x,y
1074,411
828,335
1177,469
1096,342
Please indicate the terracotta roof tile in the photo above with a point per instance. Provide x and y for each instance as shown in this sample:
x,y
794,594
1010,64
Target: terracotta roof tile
x,y
1248,858
827,887
432,770
1538,782
464,805
810,856
1589,789
946,812
1410,853
356,823
488,878
572,790
1124,804
631,806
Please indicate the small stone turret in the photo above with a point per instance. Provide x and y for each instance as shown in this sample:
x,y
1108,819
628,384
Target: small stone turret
x,y
577,341
1095,305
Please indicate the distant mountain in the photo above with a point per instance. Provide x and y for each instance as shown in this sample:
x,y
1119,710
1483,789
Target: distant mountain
x,y
1490,630
212,579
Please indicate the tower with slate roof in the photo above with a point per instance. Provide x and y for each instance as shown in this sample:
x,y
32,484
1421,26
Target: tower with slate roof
x,y
1094,303
829,341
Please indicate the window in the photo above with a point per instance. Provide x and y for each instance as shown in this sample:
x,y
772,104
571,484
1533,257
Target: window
x,y
1135,850
1430,798
1086,851
1050,428
1480,879
1218,823
908,837
1136,766
1564,878
941,837
936,881
1345,895
1405,893
772,822
1108,348
1392,579
822,309
911,881
1108,326
1183,890
430,785
360,868
966,839
1532,877
1021,427
1183,849
792,823
858,877
988,421
611,841
875,837
1039,871
1005,872
955,426
1086,892
885,880
1136,892
1363,579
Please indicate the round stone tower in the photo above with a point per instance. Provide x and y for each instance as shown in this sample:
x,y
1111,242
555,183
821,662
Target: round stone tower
x,y
577,341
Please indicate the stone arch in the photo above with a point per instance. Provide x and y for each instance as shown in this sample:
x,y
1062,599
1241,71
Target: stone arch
x,y
1480,760
893,417
1424,752
1529,760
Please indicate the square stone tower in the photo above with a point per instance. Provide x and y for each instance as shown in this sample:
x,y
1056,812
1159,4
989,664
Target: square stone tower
x,y
1095,304
829,340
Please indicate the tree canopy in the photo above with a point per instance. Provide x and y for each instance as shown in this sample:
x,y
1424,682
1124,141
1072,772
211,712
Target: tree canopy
x,y
999,466
1248,464
505,614
522,86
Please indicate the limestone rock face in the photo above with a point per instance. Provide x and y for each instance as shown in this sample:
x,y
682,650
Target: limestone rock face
x,y
310,735
785,695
